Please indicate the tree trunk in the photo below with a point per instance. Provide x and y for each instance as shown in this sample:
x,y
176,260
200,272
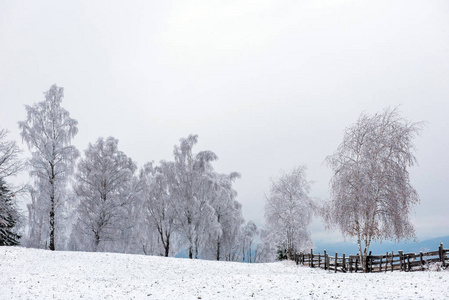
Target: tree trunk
x,y
52,224
362,259
167,248
97,241
165,241
218,249
249,250
52,208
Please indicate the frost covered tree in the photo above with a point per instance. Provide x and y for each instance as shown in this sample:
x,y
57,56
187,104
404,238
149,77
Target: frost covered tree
x,y
48,132
10,165
266,249
248,234
105,187
371,194
191,181
38,231
289,210
9,217
223,234
158,205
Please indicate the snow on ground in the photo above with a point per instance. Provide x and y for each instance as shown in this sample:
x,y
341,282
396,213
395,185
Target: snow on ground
x,y
41,274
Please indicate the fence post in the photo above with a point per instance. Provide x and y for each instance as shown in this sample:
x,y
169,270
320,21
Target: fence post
x,y
400,259
325,260
420,258
356,263
344,263
311,258
368,263
392,260
443,254
440,252
408,262
350,264
319,260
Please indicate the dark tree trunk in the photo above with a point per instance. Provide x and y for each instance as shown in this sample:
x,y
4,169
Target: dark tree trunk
x,y
218,249
52,225
97,241
167,247
52,209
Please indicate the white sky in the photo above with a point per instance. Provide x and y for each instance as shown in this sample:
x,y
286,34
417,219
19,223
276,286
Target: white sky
x,y
266,85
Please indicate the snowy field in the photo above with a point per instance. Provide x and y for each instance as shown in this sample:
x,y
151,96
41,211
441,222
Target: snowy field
x,y
38,274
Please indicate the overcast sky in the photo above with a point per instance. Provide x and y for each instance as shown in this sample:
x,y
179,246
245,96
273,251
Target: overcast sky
x,y
267,85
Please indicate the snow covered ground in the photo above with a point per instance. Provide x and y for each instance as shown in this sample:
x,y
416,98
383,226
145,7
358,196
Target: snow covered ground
x,y
39,274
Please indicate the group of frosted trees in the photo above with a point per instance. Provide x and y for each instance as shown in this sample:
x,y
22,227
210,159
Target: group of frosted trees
x,y
101,200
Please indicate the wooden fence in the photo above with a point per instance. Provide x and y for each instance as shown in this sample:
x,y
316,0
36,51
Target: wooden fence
x,y
374,263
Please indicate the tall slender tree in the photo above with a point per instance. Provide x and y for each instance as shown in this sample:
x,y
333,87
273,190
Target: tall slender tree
x,y
223,231
191,171
371,193
48,131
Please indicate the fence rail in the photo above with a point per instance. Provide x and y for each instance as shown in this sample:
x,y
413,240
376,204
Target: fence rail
x,y
374,263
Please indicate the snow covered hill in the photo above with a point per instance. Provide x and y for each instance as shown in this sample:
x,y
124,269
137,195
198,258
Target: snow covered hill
x,y
39,274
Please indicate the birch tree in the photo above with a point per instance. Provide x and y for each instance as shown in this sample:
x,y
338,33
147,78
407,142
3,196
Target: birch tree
x,y
104,187
190,174
248,234
158,209
48,131
223,232
289,210
371,193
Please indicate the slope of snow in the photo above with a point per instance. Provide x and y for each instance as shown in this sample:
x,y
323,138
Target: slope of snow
x,y
40,274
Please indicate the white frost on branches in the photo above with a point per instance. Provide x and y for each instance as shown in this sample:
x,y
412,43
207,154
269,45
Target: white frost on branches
x,y
288,212
371,192
48,132
105,188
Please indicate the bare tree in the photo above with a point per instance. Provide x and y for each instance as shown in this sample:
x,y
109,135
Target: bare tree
x,y
104,186
289,210
48,132
10,165
370,189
